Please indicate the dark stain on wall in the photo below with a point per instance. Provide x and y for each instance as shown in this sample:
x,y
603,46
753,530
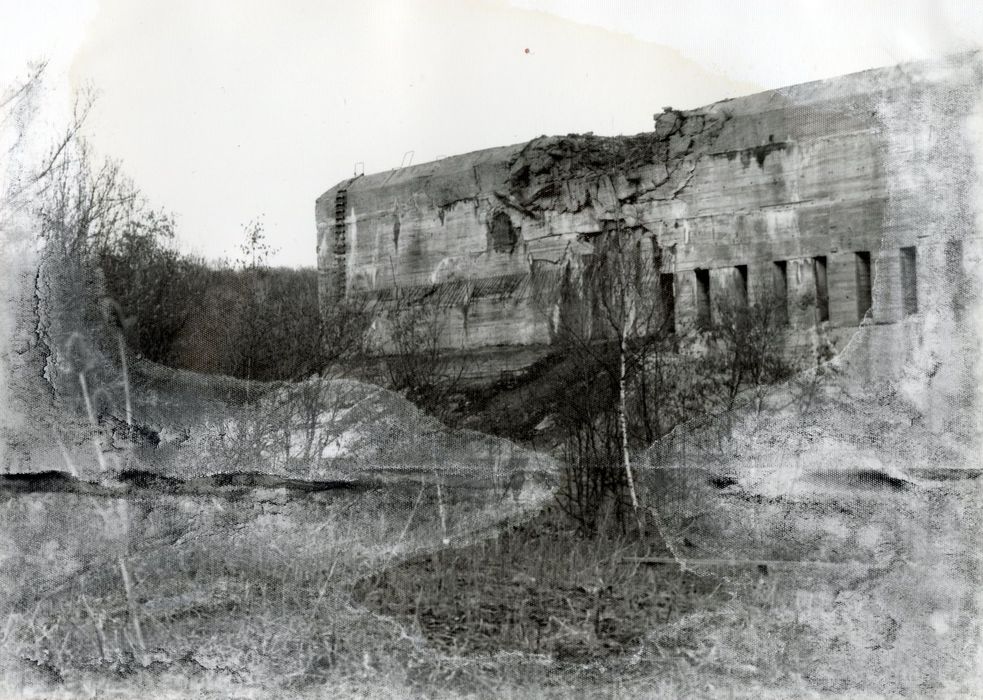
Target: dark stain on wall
x,y
759,153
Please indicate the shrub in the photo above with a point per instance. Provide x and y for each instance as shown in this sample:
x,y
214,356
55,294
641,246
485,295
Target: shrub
x,y
250,321
747,347
155,287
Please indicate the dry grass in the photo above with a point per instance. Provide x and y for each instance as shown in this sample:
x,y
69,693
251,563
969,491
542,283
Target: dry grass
x,y
258,597
539,588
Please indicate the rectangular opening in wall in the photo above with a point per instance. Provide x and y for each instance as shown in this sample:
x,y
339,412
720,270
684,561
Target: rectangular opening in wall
x,y
909,280
779,292
864,299
741,284
702,298
822,289
668,294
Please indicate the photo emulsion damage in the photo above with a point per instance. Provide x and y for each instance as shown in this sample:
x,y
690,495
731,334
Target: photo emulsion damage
x,y
693,412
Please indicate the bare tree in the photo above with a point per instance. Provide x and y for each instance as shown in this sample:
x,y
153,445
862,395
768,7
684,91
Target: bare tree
x,y
748,346
619,326
415,360
593,480
27,174
266,323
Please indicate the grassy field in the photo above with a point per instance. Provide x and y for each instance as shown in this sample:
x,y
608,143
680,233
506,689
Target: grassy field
x,y
539,588
269,593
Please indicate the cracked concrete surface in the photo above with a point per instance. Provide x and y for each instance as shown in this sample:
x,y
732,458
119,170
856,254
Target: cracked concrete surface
x,y
820,170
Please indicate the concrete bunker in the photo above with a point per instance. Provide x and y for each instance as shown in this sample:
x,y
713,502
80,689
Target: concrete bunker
x,y
793,221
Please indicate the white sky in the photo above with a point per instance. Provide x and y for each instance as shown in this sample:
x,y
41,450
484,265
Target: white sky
x,y
225,111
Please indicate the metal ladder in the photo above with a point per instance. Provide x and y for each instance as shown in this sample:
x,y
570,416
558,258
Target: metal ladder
x,y
340,241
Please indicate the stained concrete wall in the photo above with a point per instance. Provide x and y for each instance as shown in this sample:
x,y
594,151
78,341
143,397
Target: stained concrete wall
x,y
870,162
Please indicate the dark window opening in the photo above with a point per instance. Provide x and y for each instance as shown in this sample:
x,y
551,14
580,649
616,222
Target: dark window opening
x,y
502,235
909,280
864,299
822,288
702,298
741,284
667,291
780,290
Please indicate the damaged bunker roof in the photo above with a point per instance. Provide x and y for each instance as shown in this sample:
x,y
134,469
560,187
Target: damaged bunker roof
x,y
771,115
448,179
